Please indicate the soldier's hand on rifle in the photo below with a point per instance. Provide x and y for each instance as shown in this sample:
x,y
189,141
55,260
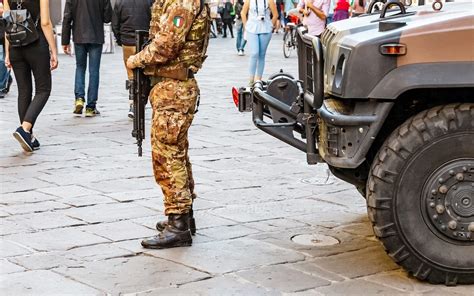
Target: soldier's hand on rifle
x,y
131,62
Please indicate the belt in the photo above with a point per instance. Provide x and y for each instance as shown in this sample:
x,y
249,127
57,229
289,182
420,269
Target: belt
x,y
157,79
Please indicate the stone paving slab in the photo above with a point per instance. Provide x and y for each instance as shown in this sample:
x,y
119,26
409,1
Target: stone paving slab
x,y
39,207
347,243
42,282
117,231
230,255
283,278
363,262
8,267
109,212
57,239
10,248
113,275
357,287
218,286
72,258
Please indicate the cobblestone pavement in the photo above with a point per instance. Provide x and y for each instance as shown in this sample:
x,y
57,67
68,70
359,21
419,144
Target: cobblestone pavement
x,y
74,212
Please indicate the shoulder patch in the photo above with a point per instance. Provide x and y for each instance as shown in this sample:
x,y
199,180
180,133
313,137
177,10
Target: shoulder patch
x,y
178,21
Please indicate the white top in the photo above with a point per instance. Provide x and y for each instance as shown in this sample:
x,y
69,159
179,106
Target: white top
x,y
257,10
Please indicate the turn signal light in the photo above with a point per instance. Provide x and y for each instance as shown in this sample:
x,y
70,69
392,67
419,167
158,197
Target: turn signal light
x,y
393,49
235,96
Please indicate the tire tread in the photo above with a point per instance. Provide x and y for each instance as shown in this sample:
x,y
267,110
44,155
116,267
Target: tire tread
x,y
397,149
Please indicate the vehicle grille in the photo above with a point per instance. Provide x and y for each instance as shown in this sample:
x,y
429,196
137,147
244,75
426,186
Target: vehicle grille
x,y
305,62
327,37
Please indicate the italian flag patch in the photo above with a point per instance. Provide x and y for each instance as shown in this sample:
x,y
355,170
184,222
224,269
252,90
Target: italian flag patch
x,y
178,21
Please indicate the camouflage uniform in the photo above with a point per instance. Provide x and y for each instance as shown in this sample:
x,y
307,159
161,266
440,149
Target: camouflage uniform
x,y
180,35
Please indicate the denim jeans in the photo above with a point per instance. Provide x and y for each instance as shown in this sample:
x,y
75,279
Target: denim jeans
x,y
94,51
4,72
258,44
240,42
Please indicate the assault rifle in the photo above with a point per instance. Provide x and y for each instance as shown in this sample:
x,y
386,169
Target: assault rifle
x,y
139,89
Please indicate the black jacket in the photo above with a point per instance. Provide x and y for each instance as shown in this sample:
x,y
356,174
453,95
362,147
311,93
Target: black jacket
x,y
129,16
226,15
86,19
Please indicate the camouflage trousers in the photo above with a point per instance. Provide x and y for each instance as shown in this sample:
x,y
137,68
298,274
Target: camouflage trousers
x,y
173,103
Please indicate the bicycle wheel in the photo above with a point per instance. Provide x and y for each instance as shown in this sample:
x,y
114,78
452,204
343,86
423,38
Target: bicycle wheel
x,y
287,43
294,41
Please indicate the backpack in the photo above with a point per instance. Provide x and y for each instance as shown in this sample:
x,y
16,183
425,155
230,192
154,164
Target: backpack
x,y
20,28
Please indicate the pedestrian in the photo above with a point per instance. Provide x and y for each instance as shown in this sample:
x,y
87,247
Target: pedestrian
x,y
5,76
179,35
258,26
341,12
358,7
228,18
129,16
35,55
280,10
289,5
239,27
315,13
86,19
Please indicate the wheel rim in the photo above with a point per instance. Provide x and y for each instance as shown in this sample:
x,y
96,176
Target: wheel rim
x,y
448,198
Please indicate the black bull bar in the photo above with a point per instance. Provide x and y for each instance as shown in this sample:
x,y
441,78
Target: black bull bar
x,y
302,114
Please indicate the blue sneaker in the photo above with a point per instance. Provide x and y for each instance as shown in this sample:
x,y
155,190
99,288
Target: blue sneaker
x,y
24,138
35,143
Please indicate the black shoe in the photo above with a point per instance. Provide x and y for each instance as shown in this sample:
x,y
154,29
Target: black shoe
x,y
161,225
24,138
7,88
35,143
175,234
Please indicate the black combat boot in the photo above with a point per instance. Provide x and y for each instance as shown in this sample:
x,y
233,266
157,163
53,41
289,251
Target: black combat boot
x,y
175,234
161,225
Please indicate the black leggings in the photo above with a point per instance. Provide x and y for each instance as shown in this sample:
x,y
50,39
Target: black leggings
x,y
31,59
228,24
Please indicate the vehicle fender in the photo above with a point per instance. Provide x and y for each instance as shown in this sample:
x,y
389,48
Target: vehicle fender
x,y
430,75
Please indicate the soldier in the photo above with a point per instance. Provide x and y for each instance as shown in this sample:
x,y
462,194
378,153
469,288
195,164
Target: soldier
x,y
179,33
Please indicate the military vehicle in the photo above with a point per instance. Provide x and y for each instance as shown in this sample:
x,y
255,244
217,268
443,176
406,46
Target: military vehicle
x,y
386,100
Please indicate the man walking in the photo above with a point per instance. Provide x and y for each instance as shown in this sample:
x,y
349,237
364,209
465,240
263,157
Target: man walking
x,y
179,36
129,16
86,18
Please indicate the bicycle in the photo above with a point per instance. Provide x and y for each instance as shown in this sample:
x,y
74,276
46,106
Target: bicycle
x,y
289,38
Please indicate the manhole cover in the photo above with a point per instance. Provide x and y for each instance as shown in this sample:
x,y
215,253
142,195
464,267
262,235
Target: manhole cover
x,y
318,240
326,179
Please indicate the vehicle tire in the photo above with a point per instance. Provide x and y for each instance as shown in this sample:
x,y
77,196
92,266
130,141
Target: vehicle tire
x,y
420,195
287,43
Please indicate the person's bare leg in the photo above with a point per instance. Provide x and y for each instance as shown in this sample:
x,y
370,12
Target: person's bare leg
x,y
26,126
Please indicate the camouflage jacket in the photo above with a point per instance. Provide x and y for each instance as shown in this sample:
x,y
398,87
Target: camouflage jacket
x,y
179,39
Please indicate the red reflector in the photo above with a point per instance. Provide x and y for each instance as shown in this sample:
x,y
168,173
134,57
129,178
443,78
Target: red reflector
x,y
235,96
393,49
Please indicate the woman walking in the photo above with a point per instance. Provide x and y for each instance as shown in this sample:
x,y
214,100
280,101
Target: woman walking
x,y
38,58
258,26
341,12
358,7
